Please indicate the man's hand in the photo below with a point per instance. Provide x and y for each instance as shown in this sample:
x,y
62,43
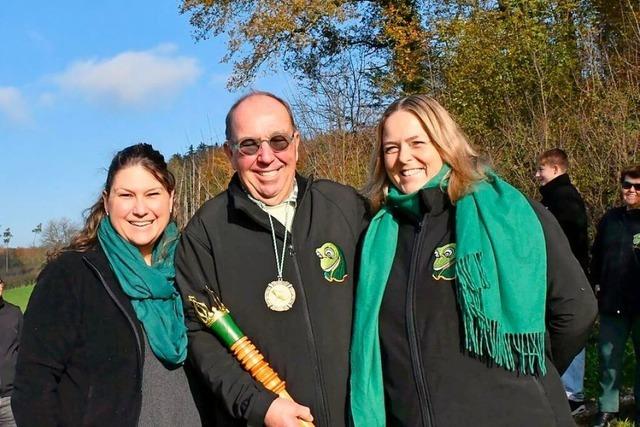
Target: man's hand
x,y
285,413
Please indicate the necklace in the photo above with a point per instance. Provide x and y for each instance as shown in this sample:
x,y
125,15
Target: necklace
x,y
279,294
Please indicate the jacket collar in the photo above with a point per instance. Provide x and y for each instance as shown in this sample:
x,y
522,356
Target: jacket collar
x,y
433,202
98,259
557,182
239,201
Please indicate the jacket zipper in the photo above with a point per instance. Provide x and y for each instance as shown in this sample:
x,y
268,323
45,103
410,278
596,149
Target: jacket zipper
x,y
320,386
418,369
131,323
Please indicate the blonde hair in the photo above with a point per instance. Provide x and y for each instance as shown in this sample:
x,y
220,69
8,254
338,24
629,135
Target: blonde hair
x,y
448,139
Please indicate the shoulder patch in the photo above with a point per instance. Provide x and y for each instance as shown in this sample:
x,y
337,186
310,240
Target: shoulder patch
x,y
636,241
444,262
332,262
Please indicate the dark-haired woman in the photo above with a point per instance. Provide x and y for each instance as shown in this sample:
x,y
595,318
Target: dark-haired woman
x,y
469,303
615,269
104,340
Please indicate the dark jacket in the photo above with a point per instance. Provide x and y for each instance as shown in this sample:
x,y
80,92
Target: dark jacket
x,y
566,204
429,379
10,327
228,245
615,263
80,362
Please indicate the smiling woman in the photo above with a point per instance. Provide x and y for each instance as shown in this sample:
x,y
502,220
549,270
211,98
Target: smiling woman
x,y
104,331
139,207
469,299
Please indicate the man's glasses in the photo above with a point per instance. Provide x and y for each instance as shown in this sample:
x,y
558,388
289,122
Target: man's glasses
x,y
250,146
627,185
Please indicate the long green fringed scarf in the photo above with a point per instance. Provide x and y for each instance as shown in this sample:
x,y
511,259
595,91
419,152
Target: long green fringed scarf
x,y
501,285
153,295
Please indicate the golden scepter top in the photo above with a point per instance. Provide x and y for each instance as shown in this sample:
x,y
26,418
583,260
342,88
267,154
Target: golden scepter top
x,y
209,315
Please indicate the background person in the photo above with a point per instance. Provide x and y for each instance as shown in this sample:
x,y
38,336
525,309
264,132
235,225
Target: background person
x,y
469,301
10,327
615,269
104,338
279,249
564,201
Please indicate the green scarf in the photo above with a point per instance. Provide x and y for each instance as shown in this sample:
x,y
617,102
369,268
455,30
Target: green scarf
x,y
500,277
153,295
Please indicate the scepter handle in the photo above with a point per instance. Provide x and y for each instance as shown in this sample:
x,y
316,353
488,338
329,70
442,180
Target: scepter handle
x,y
220,322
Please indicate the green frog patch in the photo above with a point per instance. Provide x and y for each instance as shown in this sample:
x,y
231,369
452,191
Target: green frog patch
x,y
444,263
332,262
636,241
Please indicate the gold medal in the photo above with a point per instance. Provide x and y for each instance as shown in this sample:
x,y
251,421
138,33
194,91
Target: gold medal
x,y
279,295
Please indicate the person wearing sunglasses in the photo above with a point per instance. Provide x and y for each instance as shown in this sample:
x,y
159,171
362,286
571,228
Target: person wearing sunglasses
x,y
615,269
280,250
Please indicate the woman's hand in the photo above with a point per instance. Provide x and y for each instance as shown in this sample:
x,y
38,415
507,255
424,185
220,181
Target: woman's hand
x,y
285,413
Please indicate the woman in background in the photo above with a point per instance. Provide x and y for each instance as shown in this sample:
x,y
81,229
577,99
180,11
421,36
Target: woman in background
x,y
469,302
104,340
615,270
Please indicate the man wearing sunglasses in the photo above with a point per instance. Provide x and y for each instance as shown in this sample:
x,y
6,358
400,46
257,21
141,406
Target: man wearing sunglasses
x,y
615,268
280,251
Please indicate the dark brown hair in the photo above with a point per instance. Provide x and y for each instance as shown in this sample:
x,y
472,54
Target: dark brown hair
x,y
631,172
139,154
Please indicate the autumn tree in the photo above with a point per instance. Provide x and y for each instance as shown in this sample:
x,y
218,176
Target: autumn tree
x,y
307,36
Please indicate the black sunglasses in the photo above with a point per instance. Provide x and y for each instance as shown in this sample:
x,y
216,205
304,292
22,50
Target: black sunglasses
x,y
250,146
627,185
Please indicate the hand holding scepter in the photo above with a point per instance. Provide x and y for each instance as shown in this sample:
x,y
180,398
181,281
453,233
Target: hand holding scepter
x,y
219,320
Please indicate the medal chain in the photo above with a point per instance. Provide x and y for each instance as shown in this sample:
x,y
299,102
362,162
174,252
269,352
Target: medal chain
x,y
279,261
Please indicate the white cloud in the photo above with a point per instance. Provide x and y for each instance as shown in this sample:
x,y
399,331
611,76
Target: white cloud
x,y
218,79
132,78
13,105
46,99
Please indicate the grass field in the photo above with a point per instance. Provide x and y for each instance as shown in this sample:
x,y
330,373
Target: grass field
x,y
18,296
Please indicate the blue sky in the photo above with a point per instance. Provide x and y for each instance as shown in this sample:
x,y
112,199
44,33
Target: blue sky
x,y
80,80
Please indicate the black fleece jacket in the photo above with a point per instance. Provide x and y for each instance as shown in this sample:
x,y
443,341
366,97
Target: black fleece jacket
x,y
615,263
429,379
10,327
81,353
228,245
564,201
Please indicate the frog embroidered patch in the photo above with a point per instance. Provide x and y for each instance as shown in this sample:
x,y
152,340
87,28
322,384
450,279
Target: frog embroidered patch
x,y
444,262
332,262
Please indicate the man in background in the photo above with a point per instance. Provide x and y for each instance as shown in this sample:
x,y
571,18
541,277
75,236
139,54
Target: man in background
x,y
562,198
10,327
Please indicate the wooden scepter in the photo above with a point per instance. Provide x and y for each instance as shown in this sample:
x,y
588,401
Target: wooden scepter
x,y
219,320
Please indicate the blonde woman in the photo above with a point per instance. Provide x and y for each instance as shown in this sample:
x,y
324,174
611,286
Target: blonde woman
x,y
469,303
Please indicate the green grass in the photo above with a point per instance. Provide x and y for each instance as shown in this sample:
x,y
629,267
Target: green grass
x,y
19,296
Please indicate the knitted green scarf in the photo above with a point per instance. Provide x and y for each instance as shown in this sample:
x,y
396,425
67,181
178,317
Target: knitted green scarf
x,y
500,278
153,295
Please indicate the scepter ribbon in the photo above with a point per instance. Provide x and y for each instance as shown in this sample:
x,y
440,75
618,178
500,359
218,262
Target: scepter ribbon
x,y
219,320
